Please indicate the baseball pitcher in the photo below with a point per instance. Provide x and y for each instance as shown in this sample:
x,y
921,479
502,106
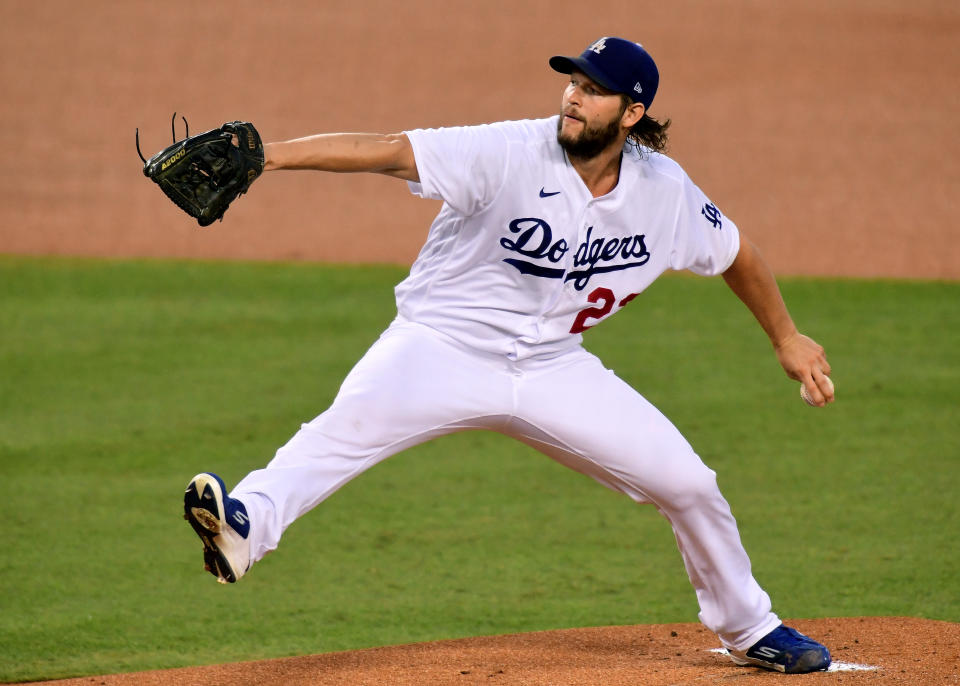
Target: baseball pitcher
x,y
547,228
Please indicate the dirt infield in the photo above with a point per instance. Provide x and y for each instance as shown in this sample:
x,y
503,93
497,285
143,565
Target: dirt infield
x,y
865,650
825,128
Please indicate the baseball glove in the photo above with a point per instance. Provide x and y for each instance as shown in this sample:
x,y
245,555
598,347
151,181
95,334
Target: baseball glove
x,y
203,174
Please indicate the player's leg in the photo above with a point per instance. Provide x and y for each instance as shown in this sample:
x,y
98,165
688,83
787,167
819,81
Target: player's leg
x,y
583,415
412,385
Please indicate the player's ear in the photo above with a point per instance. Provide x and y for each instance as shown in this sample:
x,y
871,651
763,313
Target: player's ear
x,y
632,114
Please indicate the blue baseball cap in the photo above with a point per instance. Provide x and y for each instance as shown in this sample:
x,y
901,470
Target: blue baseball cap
x,y
618,65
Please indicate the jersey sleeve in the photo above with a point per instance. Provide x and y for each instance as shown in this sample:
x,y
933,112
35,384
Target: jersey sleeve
x,y
464,166
705,241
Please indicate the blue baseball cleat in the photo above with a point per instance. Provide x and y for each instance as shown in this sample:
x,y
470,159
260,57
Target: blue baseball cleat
x,y
221,523
785,650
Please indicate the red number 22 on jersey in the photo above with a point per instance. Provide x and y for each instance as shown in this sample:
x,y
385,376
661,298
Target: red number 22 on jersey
x,y
608,299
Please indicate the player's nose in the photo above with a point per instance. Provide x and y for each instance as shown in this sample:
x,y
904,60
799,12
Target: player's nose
x,y
572,95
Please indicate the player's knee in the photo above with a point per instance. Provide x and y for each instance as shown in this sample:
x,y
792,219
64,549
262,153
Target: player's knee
x,y
697,487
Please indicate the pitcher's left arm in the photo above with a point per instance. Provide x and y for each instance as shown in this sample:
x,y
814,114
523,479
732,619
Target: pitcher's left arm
x,y
801,357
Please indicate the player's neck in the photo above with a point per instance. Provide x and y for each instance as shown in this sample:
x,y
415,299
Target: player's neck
x,y
600,173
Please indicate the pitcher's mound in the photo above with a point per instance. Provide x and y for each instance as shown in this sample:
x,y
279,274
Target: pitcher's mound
x,y
866,650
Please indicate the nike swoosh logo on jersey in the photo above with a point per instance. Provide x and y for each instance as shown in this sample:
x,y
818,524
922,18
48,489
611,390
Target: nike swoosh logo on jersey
x,y
544,194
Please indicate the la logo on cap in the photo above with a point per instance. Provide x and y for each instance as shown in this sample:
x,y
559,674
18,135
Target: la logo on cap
x,y
599,46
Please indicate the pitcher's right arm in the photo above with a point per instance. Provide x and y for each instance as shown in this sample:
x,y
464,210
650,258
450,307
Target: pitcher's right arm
x,y
389,154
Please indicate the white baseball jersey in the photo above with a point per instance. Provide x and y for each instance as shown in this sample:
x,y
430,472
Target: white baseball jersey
x,y
522,258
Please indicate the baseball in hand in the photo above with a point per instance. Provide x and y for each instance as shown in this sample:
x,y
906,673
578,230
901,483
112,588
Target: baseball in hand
x,y
806,396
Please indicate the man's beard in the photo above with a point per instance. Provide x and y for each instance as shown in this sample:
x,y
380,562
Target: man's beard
x,y
591,141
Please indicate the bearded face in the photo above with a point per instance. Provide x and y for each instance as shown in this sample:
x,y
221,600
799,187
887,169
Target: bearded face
x,y
584,137
589,141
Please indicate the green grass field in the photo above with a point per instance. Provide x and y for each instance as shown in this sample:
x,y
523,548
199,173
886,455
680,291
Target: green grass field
x,y
119,380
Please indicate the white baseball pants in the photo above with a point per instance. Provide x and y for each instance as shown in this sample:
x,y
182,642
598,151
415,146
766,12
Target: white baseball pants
x,y
415,384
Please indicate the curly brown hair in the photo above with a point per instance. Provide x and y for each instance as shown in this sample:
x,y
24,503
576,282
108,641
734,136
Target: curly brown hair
x,y
648,133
